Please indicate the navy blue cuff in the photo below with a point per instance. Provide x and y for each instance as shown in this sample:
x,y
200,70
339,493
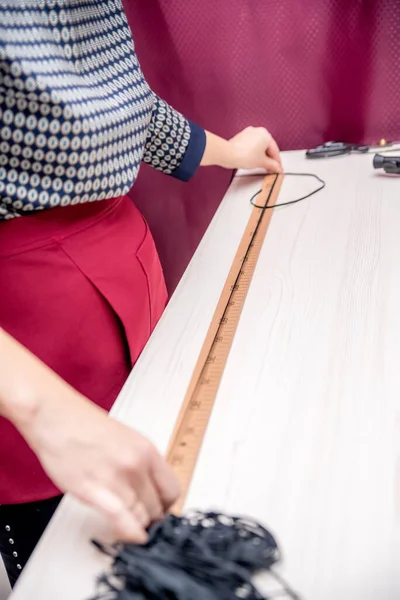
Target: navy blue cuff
x,y
193,155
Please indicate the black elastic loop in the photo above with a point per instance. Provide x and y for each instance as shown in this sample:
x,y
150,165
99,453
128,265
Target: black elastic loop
x,y
265,207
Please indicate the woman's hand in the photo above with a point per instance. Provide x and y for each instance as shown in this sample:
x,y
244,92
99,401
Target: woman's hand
x,y
255,148
97,459
104,464
252,148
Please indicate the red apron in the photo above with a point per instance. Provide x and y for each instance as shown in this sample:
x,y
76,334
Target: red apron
x,y
82,288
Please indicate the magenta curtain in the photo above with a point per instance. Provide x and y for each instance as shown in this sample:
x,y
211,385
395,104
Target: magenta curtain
x,y
309,70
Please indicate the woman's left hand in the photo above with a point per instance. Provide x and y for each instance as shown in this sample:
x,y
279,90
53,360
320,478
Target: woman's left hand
x,y
252,148
255,148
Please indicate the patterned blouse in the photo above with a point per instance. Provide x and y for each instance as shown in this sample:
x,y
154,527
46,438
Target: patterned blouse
x,y
77,116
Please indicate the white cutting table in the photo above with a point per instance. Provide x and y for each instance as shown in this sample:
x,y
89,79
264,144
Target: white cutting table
x,y
305,435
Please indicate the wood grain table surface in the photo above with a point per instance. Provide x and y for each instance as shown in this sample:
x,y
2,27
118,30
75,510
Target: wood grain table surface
x,y
305,434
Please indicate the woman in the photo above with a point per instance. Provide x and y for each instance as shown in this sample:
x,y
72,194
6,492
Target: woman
x,y
81,283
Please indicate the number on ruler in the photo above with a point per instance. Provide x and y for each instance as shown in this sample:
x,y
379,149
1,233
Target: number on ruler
x,y
194,404
177,460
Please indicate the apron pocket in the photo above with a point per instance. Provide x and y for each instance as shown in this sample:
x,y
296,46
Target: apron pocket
x,y
148,257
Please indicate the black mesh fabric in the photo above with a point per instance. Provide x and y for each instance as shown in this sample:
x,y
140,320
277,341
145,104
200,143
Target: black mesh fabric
x,y
204,556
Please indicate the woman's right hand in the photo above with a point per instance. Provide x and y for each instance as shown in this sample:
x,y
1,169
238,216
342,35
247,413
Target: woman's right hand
x,y
86,453
104,464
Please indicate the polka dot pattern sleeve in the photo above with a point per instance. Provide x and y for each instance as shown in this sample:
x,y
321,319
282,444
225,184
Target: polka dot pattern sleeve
x,y
174,145
77,116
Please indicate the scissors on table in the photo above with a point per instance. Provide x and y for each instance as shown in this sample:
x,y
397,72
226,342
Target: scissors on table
x,y
335,149
330,149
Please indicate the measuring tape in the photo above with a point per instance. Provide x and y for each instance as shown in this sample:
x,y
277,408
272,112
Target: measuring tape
x,y
192,422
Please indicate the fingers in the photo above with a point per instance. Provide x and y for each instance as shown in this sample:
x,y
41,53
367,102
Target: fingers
x,y
149,497
129,518
154,482
274,152
132,507
272,166
128,522
164,481
141,514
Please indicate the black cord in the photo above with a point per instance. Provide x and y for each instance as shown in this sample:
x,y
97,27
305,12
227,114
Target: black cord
x,y
287,590
321,187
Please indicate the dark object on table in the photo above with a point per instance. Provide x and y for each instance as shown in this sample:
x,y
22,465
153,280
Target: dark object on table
x,y
335,149
390,164
330,149
204,556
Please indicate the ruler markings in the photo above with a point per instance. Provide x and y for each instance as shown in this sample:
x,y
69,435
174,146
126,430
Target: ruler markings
x,y
192,422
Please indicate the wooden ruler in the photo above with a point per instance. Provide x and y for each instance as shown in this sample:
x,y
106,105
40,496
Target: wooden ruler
x,y
191,425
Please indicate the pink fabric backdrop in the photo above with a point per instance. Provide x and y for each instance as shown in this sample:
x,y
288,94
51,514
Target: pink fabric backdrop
x,y
310,71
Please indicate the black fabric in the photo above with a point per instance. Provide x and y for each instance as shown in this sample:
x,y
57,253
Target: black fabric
x,y
21,527
205,556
